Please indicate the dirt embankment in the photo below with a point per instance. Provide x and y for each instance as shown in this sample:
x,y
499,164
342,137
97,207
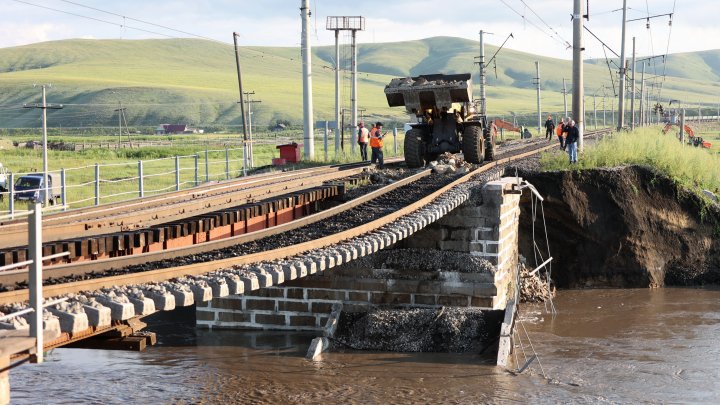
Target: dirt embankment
x,y
624,227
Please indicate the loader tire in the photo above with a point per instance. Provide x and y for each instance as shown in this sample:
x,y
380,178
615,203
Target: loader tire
x,y
414,149
490,148
473,144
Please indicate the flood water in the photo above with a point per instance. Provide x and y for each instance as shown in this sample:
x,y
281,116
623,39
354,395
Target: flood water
x,y
603,346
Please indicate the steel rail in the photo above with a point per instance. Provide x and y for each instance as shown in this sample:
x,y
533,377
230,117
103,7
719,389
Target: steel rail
x,y
199,202
275,254
259,179
97,266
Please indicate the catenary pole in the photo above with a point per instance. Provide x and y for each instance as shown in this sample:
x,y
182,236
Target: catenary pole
x,y
306,49
632,87
643,115
481,62
565,99
578,105
621,92
337,92
242,104
539,106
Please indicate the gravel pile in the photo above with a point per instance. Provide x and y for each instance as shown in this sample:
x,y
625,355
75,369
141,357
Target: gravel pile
x,y
446,329
425,260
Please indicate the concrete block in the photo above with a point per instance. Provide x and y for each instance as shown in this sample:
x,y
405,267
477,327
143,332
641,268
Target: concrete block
x,y
51,327
143,306
71,322
98,316
289,271
345,254
310,265
183,298
219,287
455,246
277,273
317,346
234,283
119,311
201,293
164,301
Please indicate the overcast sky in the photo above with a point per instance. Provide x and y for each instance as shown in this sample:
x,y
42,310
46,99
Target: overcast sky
x,y
542,28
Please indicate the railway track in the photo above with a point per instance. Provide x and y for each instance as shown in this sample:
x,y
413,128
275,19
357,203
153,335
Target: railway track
x,y
148,211
137,286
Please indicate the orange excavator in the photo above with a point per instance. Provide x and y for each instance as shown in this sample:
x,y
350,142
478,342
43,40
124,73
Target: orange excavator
x,y
694,140
506,125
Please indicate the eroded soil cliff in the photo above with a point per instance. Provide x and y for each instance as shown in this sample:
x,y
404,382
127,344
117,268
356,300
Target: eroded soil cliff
x,y
623,227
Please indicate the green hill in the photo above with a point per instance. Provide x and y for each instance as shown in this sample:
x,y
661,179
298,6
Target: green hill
x,y
194,81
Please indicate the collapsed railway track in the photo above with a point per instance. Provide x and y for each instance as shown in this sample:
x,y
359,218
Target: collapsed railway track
x,y
148,211
270,256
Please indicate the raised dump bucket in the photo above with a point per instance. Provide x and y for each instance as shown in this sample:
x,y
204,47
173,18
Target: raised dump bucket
x,y
428,91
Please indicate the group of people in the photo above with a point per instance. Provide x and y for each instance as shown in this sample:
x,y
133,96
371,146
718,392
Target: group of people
x,y
567,133
374,137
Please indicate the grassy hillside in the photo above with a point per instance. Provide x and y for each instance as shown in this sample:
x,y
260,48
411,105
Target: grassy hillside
x,y
194,81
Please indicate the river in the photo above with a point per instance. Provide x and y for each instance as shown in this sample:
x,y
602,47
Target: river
x,y
603,346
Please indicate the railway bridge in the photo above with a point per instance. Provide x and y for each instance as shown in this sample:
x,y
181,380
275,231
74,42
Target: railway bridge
x,y
268,252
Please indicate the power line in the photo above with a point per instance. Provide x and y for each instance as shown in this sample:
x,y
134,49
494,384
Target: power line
x,y
91,18
145,22
560,40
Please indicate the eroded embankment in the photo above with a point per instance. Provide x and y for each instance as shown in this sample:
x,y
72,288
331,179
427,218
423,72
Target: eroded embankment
x,y
624,227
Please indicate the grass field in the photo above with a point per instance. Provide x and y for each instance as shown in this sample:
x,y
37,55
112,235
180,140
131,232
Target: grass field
x,y
194,82
694,168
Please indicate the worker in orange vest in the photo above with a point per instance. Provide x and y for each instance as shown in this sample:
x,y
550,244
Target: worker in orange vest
x,y
376,144
363,138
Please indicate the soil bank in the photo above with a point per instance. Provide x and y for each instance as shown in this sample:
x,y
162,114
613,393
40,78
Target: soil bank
x,y
624,227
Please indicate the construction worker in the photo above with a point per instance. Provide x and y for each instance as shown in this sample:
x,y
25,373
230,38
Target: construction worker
x,y
376,144
573,134
549,126
560,131
363,138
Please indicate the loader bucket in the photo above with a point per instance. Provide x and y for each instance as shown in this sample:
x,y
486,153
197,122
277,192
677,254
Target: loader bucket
x,y
423,92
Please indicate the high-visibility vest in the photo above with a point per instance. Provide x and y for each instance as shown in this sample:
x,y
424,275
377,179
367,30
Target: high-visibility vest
x,y
375,140
363,135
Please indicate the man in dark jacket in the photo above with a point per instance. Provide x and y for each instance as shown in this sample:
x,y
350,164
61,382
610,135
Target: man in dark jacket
x,y
549,127
573,134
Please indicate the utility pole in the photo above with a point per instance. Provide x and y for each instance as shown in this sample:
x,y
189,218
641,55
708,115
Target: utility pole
x,y
250,148
594,113
539,111
565,99
120,110
306,48
632,89
44,106
604,122
578,106
481,63
338,127
242,104
643,116
621,96
682,127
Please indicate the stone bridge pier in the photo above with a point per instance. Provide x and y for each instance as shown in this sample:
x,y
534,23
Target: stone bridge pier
x,y
485,226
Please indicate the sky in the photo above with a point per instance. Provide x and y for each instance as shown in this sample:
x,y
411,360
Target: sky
x,y
541,27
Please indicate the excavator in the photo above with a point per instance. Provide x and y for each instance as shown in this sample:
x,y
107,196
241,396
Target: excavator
x,y
692,139
501,124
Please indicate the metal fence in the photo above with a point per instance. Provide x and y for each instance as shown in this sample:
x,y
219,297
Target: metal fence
x,y
105,183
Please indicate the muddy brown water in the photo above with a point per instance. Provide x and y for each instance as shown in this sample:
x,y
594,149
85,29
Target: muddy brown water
x,y
604,346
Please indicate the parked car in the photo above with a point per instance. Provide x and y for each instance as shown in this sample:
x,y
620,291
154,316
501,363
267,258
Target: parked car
x,y
4,175
30,187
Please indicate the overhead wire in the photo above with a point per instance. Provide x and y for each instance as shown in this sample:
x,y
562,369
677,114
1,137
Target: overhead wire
x,y
525,19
